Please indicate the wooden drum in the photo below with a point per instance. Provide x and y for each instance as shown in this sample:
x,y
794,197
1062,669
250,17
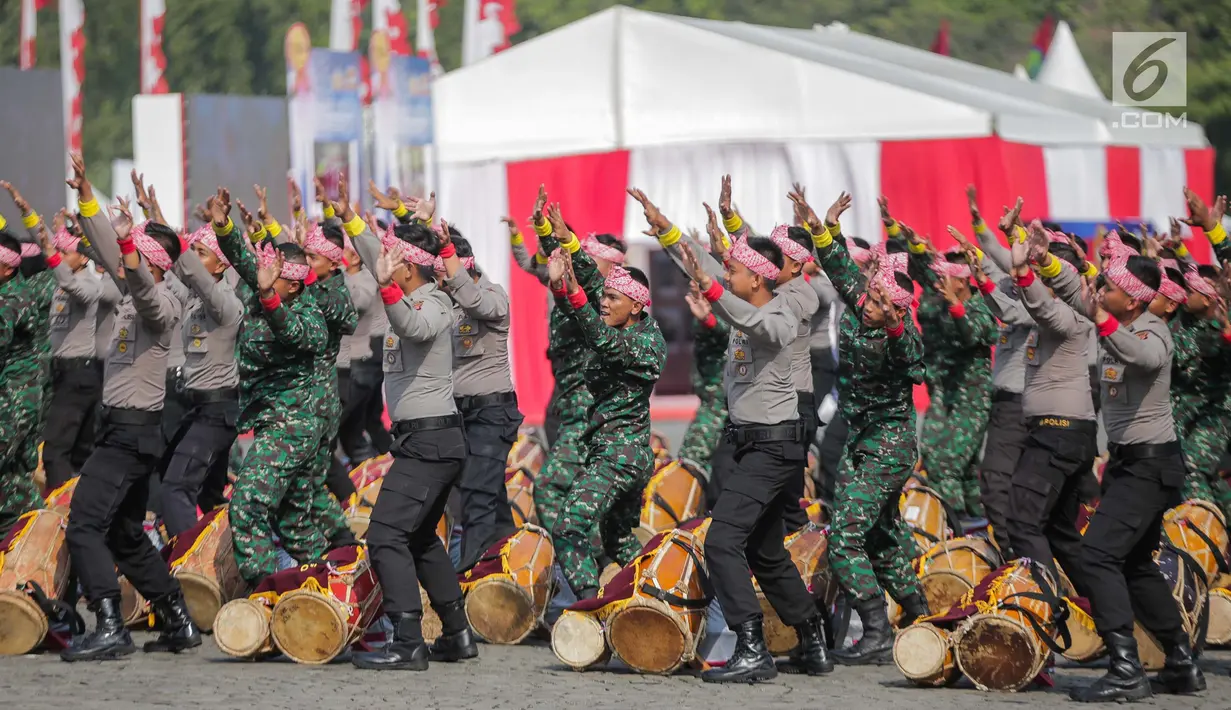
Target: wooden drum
x,y
1219,631
332,608
1197,527
926,516
203,560
674,494
134,608
953,567
508,590
1085,644
359,512
808,548
519,487
241,628
373,469
527,453
1188,589
924,654
32,553
60,499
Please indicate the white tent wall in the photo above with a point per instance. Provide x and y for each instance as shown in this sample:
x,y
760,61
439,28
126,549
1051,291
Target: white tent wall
x,y
1076,182
1163,174
476,195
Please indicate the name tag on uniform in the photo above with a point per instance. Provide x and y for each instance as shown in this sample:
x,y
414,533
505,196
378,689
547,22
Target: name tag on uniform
x,y
126,331
740,365
61,310
195,340
465,337
392,361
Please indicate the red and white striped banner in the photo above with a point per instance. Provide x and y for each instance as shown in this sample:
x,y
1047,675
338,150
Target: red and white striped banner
x,y
72,68
153,61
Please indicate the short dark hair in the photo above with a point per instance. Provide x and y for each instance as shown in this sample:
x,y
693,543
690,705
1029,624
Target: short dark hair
x,y
956,257
638,275
1053,227
1131,240
611,240
382,224
1085,248
333,234
800,236
860,242
1167,253
1207,271
292,253
1146,270
462,245
454,232
1065,252
904,281
166,238
9,242
895,246
766,248
1175,276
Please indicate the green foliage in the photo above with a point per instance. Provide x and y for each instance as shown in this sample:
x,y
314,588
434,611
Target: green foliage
x,y
235,46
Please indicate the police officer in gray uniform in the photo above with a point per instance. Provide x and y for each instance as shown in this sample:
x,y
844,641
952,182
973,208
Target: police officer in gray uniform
x,y
105,519
429,447
483,390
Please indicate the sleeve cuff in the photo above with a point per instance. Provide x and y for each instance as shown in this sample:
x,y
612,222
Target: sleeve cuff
x,y
543,229
917,248
271,304
558,292
3,222
1051,269
53,261
822,240
274,229
1217,235
1108,327
957,310
1020,234
30,220
259,234
127,246
1024,281
894,230
834,229
88,209
578,300
987,288
714,292
711,321
355,227
896,332
573,245
517,240
1092,270
541,258
391,294
1226,337
448,251
1181,250
328,212
401,210
733,223
219,231
671,238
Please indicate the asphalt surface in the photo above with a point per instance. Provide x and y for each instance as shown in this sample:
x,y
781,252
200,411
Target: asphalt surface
x,y
504,678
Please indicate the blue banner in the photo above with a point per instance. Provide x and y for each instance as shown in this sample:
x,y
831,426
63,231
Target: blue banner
x,y
336,85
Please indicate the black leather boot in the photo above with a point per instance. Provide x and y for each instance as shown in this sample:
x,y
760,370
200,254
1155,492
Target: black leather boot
x,y
406,652
1180,675
751,660
811,655
876,646
914,607
1125,679
455,642
178,631
109,640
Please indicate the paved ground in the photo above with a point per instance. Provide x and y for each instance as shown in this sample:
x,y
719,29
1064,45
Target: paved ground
x,y
504,678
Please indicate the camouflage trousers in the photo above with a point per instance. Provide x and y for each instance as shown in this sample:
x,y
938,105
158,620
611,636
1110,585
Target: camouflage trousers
x,y
22,406
1204,442
273,495
869,544
564,462
704,432
327,512
602,509
949,444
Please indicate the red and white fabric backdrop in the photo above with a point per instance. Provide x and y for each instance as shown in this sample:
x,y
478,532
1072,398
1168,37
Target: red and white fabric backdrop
x,y
924,181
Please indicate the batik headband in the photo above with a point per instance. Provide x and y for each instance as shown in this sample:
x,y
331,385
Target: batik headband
x,y
267,254
592,246
1197,283
316,243
65,241
756,263
1172,290
29,250
206,235
149,247
859,254
8,257
1118,273
467,263
790,247
620,280
886,276
957,270
1113,246
411,253
1059,237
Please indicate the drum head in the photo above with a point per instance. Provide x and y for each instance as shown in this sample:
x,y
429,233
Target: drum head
x,y
432,628
577,640
358,524
308,627
1219,631
943,589
241,628
1148,649
647,638
22,624
500,611
997,653
203,597
779,638
921,652
133,607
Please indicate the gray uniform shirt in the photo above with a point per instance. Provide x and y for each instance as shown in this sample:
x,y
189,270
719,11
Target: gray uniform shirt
x,y
1057,370
1009,366
757,377
823,333
1136,382
74,312
372,322
104,324
480,336
803,301
212,316
176,355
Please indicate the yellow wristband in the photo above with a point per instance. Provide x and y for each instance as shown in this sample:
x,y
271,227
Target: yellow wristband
x,y
328,212
401,210
822,240
259,234
517,239
30,220
1051,269
1020,233
917,248
671,238
978,253
1217,235
429,221
540,257
734,223
274,229
726,243
88,209
230,226
572,245
297,214
1091,270
834,229
3,222
355,226
894,230
1181,250
543,229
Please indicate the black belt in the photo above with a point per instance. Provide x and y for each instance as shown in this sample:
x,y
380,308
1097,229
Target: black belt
x,y
134,417
1138,452
1006,396
230,394
409,426
1087,426
71,364
480,401
762,433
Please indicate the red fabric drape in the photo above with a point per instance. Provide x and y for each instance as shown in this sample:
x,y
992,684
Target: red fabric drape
x,y
590,190
1200,168
1123,182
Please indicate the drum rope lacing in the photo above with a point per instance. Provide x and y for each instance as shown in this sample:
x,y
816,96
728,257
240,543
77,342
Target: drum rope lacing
x,y
25,529
196,544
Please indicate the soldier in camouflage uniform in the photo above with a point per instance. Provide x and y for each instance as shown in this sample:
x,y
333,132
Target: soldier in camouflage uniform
x,y
880,360
281,340
709,350
628,352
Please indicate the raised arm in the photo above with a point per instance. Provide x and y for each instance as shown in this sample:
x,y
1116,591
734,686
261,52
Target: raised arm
x,y
418,325
219,302
1048,311
85,291
231,240
841,269
634,351
975,325
299,326
774,323
905,351
1144,348
487,302
158,309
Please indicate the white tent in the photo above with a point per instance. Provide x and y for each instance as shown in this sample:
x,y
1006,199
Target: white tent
x,y
1065,68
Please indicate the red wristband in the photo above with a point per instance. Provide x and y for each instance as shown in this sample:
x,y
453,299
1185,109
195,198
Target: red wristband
x,y
1024,281
53,261
1226,337
987,288
896,332
807,278
127,246
1108,327
272,303
714,292
448,251
559,293
710,321
578,300
310,278
391,294
957,310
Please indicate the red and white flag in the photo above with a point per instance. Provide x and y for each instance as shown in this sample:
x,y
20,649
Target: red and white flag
x,y
72,68
346,24
387,16
426,20
153,61
29,29
489,27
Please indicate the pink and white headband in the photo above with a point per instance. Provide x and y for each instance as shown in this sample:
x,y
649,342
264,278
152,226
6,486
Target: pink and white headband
x,y
1118,273
1113,246
267,254
30,250
1058,237
756,263
205,235
1171,290
149,247
411,253
467,263
592,246
1197,283
8,257
891,265
859,254
316,243
790,247
65,241
954,269
620,280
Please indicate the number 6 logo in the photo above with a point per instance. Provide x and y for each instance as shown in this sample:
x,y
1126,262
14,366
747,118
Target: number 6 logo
x,y
1140,65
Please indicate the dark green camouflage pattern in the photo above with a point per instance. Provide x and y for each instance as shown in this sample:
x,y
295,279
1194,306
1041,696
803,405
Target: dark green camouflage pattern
x,y
704,433
1201,404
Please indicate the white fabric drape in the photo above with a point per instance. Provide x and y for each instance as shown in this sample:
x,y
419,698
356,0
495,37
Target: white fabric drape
x,y
1163,176
827,169
1076,183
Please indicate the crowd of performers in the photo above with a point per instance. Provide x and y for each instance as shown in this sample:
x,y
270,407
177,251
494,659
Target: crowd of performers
x,y
302,334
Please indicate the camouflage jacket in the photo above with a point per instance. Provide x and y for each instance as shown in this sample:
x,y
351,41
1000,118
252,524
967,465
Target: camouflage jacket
x,y
709,357
958,350
333,298
876,373
1199,366
278,351
26,349
566,346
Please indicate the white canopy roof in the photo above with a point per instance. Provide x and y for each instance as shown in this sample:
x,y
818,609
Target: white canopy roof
x,y
624,78
1065,68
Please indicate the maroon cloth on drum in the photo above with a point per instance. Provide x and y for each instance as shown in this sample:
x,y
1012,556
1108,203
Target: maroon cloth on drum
x,y
490,563
621,586
960,611
182,543
291,579
1081,603
10,538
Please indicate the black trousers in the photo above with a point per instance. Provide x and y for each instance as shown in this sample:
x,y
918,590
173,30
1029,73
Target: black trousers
x,y
69,431
196,471
824,374
485,512
359,389
1046,495
794,516
402,536
1006,438
722,467
746,533
1117,553
108,508
833,444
